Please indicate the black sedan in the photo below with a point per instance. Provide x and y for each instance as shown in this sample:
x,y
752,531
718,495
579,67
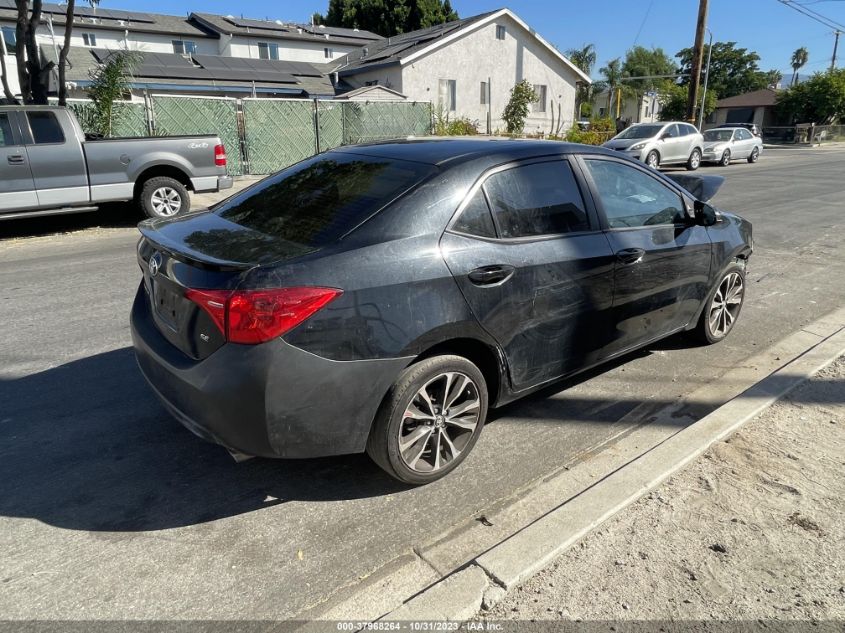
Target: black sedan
x,y
381,297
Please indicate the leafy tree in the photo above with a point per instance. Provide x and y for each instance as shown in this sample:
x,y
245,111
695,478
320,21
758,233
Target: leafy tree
x,y
387,17
612,75
733,71
673,101
773,78
820,99
799,59
516,111
645,62
110,82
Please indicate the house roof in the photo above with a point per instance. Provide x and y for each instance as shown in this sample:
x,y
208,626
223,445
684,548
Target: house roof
x,y
364,92
757,98
278,30
407,47
112,19
157,71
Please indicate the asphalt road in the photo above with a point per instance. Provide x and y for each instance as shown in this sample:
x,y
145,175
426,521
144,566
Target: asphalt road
x,y
109,509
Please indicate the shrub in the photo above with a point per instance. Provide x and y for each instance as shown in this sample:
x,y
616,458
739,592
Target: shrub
x,y
600,130
522,94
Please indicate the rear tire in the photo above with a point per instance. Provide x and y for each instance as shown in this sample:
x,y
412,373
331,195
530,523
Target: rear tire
x,y
723,306
430,419
164,197
755,154
694,161
726,158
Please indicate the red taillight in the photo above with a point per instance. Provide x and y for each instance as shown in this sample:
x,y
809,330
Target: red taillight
x,y
256,316
220,155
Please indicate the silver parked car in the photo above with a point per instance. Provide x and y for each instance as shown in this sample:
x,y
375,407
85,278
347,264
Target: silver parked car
x,y
724,144
671,143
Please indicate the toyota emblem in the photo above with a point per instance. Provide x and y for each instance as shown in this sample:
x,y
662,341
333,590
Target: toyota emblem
x,y
155,264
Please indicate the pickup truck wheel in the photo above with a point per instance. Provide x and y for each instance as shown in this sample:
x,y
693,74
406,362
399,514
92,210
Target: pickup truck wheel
x,y
164,197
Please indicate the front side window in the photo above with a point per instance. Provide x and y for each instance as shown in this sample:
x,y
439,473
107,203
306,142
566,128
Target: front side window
x,y
316,202
671,132
743,135
89,39
537,199
6,138
45,128
632,198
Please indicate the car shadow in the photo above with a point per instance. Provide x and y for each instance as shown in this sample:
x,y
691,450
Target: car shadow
x,y
112,215
87,446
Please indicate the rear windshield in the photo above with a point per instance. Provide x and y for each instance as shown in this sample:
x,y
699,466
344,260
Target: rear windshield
x,y
319,200
641,131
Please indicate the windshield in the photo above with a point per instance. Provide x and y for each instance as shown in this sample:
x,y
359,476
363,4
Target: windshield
x,y
718,135
319,200
641,131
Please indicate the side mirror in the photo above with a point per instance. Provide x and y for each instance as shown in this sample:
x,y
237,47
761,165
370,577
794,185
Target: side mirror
x,y
664,136
705,215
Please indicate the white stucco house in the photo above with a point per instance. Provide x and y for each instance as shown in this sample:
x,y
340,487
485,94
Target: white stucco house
x,y
468,67
645,109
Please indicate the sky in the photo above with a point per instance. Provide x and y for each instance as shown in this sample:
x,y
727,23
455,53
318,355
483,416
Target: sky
x,y
768,27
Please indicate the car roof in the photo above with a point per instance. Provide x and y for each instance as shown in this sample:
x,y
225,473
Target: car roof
x,y
452,150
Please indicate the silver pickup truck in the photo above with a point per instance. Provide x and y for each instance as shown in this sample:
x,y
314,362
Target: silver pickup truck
x,y
47,167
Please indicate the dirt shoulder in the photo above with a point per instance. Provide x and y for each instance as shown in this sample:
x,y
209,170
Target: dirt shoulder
x,y
752,530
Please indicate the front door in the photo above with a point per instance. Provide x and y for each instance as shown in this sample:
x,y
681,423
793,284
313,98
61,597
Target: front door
x,y
662,260
672,145
17,188
538,273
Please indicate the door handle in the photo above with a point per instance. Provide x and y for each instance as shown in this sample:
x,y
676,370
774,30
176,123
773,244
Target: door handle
x,y
16,159
489,275
630,256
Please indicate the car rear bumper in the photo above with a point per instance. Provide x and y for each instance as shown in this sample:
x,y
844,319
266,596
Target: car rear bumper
x,y
211,183
269,400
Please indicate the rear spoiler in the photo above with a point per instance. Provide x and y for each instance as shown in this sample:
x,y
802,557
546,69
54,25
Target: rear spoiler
x,y
701,187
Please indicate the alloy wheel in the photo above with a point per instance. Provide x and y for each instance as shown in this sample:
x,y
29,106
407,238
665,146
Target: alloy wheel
x,y
726,158
695,159
439,422
166,201
652,160
725,306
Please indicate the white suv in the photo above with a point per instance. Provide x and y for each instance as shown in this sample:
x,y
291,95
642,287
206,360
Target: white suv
x,y
670,143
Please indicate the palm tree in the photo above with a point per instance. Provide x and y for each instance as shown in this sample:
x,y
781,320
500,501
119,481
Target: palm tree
x,y
584,58
799,60
612,74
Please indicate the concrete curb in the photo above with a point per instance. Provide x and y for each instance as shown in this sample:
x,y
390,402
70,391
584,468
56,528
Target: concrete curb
x,y
486,578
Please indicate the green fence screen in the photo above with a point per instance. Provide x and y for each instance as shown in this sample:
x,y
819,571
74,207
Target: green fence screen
x,y
129,118
278,133
200,115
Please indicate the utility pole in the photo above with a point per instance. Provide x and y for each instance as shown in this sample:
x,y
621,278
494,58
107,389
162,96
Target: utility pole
x,y
835,47
706,80
697,54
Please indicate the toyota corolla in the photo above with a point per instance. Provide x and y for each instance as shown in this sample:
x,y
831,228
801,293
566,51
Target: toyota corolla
x,y
382,297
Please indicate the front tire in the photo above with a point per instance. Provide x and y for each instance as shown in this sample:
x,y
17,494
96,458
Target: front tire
x,y
164,197
726,158
694,161
723,306
653,159
754,156
429,420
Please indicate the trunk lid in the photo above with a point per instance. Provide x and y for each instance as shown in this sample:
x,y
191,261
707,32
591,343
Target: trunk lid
x,y
200,251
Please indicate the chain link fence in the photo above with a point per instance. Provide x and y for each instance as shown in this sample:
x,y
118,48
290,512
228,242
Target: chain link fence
x,y
263,135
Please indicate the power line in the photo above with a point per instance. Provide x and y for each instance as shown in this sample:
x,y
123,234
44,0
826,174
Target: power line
x,y
813,15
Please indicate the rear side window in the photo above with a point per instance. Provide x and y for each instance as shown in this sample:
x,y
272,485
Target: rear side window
x,y
317,201
475,219
5,131
45,128
537,199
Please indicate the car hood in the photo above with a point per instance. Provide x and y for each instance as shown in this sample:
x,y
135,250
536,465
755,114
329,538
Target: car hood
x,y
714,146
623,143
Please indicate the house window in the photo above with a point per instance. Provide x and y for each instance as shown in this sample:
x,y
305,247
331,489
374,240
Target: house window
x,y
448,89
484,90
540,104
89,39
184,47
328,53
268,50
9,39
500,32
